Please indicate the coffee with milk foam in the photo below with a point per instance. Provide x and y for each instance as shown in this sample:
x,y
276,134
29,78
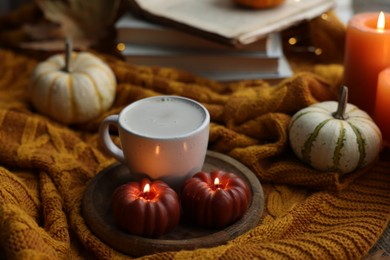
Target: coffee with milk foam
x,y
164,117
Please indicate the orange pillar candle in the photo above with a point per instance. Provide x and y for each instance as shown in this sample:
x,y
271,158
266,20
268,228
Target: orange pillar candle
x,y
382,104
367,52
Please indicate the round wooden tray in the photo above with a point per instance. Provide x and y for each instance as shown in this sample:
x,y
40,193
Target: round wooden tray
x,y
98,215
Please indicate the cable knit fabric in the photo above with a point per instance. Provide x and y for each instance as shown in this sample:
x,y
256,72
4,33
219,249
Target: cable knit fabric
x,y
45,167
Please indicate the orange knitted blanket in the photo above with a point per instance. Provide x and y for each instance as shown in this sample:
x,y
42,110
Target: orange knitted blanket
x,y
45,167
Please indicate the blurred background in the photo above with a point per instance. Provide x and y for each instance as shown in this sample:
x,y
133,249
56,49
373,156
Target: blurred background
x,y
7,5
343,8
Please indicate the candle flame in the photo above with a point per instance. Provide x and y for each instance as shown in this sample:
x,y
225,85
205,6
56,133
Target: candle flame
x,y
381,22
146,188
157,150
216,181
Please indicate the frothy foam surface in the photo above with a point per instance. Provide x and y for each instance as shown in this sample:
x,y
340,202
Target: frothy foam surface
x,y
163,117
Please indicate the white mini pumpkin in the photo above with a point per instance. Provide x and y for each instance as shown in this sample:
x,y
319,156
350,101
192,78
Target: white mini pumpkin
x,y
335,136
74,95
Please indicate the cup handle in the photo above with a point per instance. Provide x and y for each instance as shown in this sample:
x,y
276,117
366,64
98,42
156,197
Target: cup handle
x,y
106,140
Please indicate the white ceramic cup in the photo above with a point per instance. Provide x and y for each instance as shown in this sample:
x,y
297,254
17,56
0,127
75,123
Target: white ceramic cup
x,y
162,137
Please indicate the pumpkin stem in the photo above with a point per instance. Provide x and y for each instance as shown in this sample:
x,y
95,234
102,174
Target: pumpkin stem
x,y
342,105
68,53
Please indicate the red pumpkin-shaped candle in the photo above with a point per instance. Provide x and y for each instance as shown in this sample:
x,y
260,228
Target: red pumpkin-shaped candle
x,y
215,199
146,208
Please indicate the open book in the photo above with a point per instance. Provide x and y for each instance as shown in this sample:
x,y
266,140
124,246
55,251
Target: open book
x,y
224,21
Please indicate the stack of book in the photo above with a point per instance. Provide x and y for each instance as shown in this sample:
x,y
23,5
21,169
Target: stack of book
x,y
142,42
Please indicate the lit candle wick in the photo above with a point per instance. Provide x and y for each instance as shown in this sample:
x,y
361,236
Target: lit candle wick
x,y
146,191
381,22
216,183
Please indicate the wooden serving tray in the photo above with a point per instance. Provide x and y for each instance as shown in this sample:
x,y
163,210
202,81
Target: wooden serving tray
x,y
96,208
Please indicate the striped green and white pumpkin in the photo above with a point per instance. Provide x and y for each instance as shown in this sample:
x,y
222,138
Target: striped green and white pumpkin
x,y
76,94
333,139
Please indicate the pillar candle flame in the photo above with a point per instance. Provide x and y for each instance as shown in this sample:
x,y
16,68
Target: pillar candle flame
x,y
381,24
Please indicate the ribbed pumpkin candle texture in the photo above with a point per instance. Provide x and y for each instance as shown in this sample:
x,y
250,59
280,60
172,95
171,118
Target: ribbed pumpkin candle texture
x,y
367,52
146,208
215,199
